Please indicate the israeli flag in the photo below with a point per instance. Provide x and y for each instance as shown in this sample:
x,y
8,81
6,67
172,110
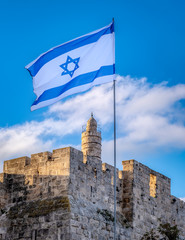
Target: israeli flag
x,y
73,67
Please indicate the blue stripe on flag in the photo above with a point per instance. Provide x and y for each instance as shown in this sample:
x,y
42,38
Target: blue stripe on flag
x,y
66,47
78,81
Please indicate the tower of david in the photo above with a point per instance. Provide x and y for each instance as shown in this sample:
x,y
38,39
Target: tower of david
x,y
69,194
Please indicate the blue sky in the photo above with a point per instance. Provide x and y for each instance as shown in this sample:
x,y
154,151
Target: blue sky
x,y
150,54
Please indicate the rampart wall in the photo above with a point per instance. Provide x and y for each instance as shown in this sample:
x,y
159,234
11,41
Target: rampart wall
x,y
149,196
66,195
59,195
37,204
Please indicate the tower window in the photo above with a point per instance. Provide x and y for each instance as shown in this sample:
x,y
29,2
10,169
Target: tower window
x,y
152,185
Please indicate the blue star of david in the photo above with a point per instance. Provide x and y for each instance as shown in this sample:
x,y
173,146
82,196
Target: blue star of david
x,y
64,66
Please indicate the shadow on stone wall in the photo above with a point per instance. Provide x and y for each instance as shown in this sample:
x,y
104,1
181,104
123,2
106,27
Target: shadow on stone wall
x,y
34,211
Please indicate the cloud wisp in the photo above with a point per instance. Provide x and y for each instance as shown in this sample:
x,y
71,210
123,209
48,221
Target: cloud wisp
x,y
149,117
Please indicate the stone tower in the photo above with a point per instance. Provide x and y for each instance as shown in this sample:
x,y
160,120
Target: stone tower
x,y
59,196
91,139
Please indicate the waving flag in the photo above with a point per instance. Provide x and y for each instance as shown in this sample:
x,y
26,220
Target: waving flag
x,y
73,67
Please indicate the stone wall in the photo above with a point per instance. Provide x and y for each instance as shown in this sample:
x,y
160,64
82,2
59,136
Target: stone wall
x,y
66,195
178,214
147,211
128,198
38,206
58,196
92,201
3,191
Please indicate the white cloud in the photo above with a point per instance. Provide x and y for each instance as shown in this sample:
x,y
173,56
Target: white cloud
x,y
148,118
183,199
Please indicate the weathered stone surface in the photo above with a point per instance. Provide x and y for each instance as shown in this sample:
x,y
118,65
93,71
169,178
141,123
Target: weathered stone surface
x,y
68,194
91,140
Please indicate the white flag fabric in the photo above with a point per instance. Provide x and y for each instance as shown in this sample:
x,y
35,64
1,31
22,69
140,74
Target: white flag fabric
x,y
73,67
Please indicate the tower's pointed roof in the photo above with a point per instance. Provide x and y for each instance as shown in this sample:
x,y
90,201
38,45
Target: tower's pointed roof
x,y
91,124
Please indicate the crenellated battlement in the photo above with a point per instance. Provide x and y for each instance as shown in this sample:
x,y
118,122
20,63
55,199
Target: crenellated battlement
x,y
43,163
68,194
55,163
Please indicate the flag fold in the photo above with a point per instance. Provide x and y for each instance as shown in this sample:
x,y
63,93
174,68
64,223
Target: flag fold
x,y
73,67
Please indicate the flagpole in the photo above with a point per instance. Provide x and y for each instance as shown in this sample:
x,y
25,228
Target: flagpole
x,y
114,95
114,102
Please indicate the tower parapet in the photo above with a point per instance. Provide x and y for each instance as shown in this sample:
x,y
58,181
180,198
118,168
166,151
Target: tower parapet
x,y
91,139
